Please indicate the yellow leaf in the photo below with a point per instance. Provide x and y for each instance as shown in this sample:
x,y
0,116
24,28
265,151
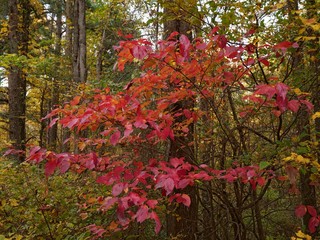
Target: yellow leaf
x,y
13,202
301,235
316,27
316,115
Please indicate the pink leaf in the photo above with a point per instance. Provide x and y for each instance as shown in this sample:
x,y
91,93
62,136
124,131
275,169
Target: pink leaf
x,y
251,174
183,183
53,122
155,217
300,211
184,45
139,52
282,90
175,162
128,130
114,139
108,202
142,214
72,123
308,104
186,200
117,189
168,185
294,105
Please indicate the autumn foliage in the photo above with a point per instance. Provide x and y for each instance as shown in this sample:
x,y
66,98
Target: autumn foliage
x,y
144,114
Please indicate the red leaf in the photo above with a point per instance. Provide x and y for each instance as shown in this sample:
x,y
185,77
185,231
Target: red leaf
x,y
128,36
229,77
186,200
282,90
142,214
250,32
128,130
267,90
264,61
72,123
313,224
114,139
308,104
155,217
251,174
50,167
214,30
261,181
64,165
312,211
183,183
300,211
152,203
173,35
175,162
294,105
75,100
283,45
222,41
117,189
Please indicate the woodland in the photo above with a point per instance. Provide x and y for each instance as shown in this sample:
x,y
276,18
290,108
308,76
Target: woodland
x,y
160,119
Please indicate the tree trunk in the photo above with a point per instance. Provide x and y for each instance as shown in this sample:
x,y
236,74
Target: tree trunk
x,y
79,42
82,41
53,131
100,56
18,44
183,222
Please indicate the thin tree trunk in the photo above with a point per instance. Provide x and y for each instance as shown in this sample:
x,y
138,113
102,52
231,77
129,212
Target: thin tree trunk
x,y
53,131
82,41
100,55
75,43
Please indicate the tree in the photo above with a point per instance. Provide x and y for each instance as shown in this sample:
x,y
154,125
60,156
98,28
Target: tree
x,y
130,119
19,21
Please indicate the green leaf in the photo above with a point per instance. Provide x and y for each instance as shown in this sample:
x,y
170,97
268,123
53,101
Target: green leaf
x,y
263,164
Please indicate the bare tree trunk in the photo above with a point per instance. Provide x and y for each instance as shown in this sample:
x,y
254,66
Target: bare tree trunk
x,y
75,43
53,131
99,56
18,44
79,42
82,41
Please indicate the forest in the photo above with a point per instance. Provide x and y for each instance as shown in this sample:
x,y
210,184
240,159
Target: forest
x,y
160,119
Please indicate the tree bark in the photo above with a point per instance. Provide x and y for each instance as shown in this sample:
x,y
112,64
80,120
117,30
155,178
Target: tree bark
x,y
183,221
53,131
19,21
79,42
